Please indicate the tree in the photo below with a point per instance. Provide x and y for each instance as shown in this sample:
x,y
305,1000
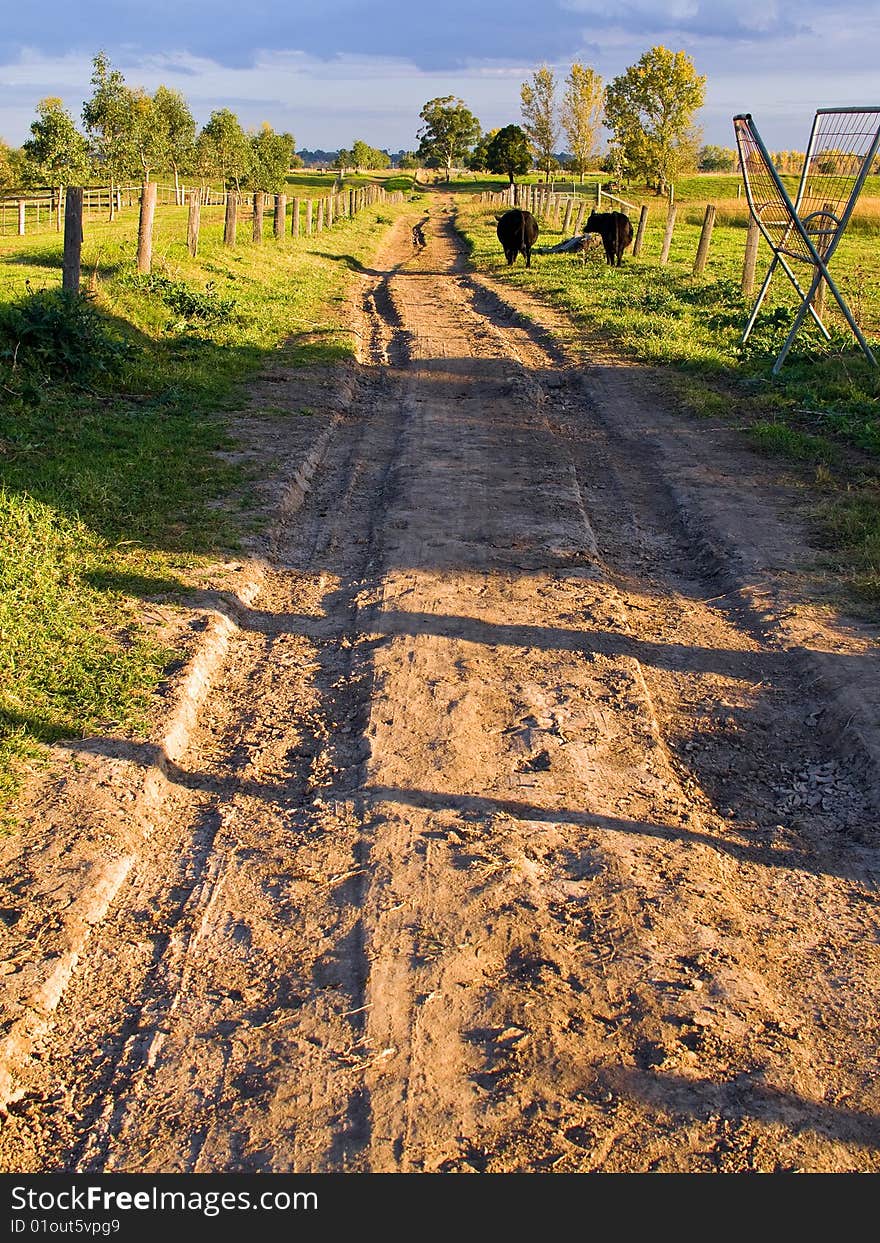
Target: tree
x,y
650,109
344,160
477,160
270,159
409,159
539,116
146,137
450,130
56,154
176,129
8,166
224,148
109,123
717,160
582,104
509,152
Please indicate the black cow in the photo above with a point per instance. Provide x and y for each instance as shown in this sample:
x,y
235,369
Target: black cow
x,y
615,230
517,232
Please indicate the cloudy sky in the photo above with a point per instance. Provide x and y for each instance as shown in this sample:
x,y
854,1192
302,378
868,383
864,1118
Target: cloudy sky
x,y
331,71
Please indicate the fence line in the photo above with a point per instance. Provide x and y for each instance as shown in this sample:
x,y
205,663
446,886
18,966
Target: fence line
x,y
42,213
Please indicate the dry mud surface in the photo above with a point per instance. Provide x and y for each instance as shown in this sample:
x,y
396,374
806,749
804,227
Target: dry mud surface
x,y
527,822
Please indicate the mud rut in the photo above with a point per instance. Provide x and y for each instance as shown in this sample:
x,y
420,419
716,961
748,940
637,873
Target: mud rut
x,y
476,860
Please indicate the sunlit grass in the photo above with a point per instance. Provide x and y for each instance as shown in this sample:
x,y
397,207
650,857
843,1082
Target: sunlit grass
x,y
821,413
115,488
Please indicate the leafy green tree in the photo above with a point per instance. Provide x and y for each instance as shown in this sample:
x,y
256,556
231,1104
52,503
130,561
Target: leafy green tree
x,y
361,155
9,166
650,109
717,159
146,138
344,160
110,124
409,159
176,133
449,131
270,159
538,99
509,152
224,148
476,161
582,104
56,154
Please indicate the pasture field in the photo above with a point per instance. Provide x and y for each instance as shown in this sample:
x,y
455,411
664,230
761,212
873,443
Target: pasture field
x,y
821,414
112,483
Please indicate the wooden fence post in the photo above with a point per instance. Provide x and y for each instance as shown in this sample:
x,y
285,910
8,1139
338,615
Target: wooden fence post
x,y
667,236
145,227
569,208
294,219
319,223
231,220
193,221
750,258
640,231
73,236
280,215
258,215
705,239
330,211
308,217
21,216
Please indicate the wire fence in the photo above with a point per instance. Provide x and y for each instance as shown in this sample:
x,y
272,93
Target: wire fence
x,y
41,212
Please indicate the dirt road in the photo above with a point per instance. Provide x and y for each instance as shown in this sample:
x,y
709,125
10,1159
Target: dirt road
x,y
513,836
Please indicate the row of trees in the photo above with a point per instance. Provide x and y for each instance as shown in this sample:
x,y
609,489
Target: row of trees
x,y
649,110
130,134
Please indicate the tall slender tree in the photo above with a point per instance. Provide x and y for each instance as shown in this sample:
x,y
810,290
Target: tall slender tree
x,y
650,109
539,117
176,132
582,103
109,124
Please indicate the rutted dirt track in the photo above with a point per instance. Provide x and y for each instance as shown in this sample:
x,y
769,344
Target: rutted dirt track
x,y
511,838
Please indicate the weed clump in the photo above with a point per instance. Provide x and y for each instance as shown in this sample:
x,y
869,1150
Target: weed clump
x,y
189,304
50,336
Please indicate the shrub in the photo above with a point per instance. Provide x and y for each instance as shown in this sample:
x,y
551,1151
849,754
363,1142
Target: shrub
x,y
203,306
55,336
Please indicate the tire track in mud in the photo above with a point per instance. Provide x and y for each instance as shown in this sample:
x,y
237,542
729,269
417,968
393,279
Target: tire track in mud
x,y
476,859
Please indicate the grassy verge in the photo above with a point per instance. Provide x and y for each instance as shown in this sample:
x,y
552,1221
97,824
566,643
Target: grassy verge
x,y
113,423
821,414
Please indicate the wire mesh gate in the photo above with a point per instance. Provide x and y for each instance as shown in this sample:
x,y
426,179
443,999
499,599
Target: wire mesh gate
x,y
843,143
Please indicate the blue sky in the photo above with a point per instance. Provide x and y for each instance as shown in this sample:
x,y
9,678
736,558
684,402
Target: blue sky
x,y
331,71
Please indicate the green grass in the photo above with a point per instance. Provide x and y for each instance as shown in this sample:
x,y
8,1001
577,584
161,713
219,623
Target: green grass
x,y
113,483
821,413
